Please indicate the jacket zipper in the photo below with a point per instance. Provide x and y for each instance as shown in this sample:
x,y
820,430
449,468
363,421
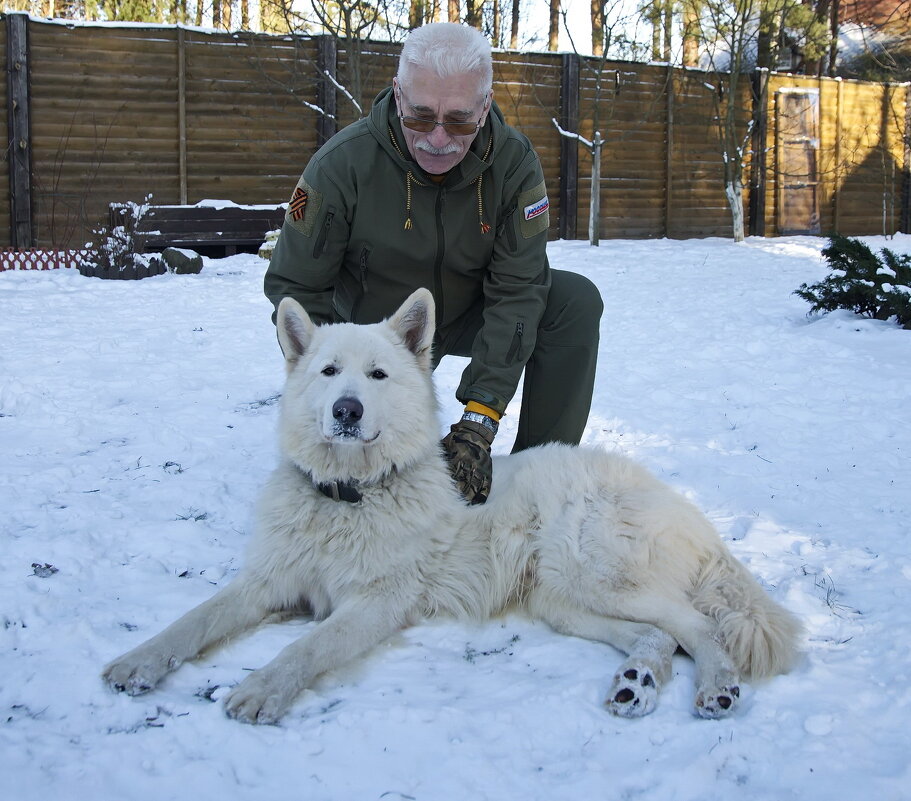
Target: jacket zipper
x,y
438,264
516,345
365,256
320,245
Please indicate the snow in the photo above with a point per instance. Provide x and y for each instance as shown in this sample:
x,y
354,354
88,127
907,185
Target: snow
x,y
137,422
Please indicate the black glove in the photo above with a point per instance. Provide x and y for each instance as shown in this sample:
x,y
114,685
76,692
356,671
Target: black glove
x,y
467,449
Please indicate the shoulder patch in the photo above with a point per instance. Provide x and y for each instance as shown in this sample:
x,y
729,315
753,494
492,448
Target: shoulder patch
x,y
534,207
303,207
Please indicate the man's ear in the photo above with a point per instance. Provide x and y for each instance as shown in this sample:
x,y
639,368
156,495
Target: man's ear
x,y
414,324
295,330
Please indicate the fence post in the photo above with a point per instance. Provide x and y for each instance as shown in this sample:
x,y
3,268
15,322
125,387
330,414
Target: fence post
x,y
326,62
669,151
182,113
904,223
760,87
569,148
19,148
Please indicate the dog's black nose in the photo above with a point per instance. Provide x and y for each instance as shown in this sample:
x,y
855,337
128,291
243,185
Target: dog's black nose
x,y
347,410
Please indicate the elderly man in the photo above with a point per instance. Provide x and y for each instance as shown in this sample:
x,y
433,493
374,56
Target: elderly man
x,y
434,189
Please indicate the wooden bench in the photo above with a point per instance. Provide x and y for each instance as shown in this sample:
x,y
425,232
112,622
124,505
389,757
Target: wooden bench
x,y
210,229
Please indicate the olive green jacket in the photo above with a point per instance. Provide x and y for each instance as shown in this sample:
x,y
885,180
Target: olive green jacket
x,y
366,226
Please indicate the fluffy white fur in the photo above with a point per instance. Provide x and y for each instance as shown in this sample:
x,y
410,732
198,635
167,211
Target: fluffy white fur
x,y
586,540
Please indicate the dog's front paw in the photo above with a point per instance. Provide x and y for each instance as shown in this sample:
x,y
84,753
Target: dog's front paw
x,y
634,692
260,698
717,702
138,671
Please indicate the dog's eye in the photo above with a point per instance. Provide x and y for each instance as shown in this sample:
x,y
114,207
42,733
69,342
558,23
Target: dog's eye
x,y
379,375
329,370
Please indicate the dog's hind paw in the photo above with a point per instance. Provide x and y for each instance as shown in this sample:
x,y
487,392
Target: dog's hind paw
x,y
717,702
634,692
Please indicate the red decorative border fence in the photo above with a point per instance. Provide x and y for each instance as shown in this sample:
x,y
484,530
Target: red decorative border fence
x,y
50,259
39,258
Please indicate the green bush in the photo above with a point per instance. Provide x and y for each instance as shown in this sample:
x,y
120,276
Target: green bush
x,y
862,282
116,249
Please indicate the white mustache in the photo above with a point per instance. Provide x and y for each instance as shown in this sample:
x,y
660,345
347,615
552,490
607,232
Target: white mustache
x,y
452,147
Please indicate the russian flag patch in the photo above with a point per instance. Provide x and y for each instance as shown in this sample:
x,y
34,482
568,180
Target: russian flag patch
x,y
537,209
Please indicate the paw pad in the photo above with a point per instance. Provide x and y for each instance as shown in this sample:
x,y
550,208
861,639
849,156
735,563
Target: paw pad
x,y
635,693
718,703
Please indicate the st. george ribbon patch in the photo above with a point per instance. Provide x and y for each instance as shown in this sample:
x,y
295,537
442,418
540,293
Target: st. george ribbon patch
x,y
297,204
303,208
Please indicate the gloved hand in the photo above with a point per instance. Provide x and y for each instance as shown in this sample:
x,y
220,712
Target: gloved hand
x,y
467,449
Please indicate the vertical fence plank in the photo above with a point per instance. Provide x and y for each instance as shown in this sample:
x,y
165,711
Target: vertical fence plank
x,y
20,147
759,163
569,148
669,151
327,63
182,112
905,218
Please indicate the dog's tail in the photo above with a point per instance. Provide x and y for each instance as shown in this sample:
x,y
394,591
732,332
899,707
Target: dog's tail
x,y
760,635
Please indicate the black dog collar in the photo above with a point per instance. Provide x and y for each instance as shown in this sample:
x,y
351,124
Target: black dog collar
x,y
339,491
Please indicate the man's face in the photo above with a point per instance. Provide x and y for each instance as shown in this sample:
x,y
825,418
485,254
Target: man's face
x,y
430,97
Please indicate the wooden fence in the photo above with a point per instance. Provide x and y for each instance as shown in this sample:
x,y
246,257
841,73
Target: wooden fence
x,y
99,114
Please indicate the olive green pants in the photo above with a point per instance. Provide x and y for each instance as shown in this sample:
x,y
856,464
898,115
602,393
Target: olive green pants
x,y
560,375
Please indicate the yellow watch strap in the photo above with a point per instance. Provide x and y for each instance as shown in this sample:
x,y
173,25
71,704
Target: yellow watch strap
x,y
480,408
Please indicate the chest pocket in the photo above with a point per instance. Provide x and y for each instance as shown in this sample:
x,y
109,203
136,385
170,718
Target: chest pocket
x,y
322,236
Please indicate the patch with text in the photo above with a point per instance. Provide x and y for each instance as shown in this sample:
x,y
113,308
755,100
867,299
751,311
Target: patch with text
x,y
535,211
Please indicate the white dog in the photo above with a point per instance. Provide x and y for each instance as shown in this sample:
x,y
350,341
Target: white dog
x,y
362,524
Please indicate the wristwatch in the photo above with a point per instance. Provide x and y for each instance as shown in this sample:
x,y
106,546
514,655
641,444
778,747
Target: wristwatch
x,y
482,419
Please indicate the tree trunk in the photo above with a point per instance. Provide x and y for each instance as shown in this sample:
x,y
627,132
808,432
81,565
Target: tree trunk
x,y
474,13
514,31
692,30
654,18
833,48
416,14
597,11
594,205
733,189
454,15
553,33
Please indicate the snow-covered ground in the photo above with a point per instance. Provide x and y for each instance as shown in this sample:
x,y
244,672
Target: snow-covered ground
x,y
137,423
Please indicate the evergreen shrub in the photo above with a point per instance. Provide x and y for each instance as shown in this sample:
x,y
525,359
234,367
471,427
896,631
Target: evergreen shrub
x,y
862,282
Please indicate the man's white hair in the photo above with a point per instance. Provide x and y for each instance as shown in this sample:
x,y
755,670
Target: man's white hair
x,y
447,48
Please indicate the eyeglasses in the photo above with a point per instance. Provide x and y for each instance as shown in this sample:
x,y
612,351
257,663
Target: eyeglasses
x,y
423,125
452,128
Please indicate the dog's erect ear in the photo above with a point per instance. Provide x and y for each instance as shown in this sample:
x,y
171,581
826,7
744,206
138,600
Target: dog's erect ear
x,y
295,329
414,323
